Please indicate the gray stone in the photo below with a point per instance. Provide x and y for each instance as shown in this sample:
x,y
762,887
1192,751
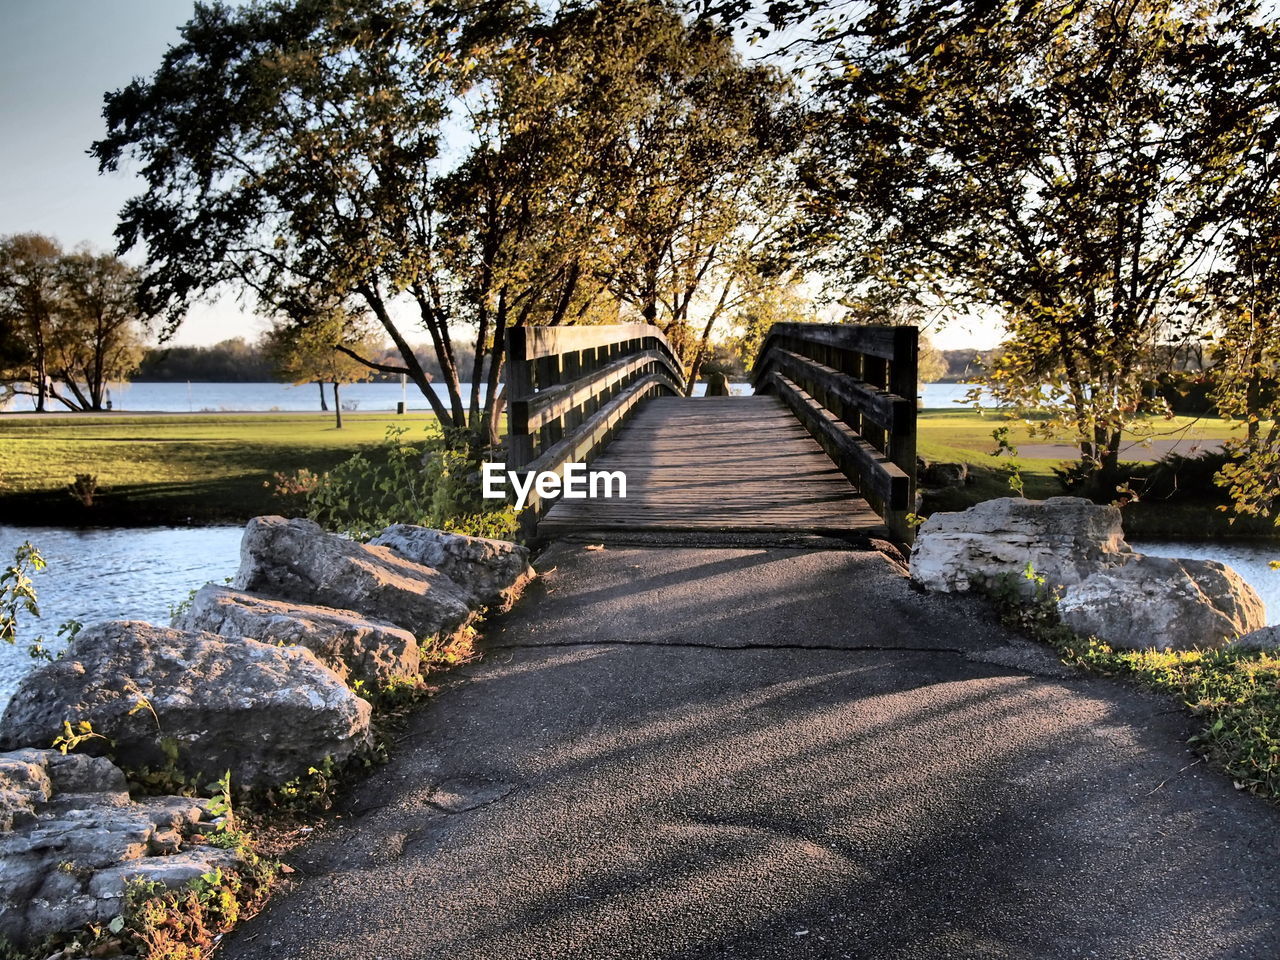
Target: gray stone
x,y
1163,603
69,863
24,785
353,646
1264,638
1064,539
492,571
265,713
296,560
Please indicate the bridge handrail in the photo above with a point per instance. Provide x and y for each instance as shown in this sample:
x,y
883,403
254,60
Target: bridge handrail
x,y
853,387
570,388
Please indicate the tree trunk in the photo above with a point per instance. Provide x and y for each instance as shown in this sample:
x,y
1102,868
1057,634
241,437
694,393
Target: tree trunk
x,y
324,404
337,405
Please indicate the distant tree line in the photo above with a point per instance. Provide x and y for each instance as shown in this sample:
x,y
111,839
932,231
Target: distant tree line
x,y
238,360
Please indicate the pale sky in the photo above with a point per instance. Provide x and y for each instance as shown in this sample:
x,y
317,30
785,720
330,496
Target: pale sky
x,y
57,58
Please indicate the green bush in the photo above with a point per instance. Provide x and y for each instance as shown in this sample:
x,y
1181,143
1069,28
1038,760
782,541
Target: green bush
x,y
424,482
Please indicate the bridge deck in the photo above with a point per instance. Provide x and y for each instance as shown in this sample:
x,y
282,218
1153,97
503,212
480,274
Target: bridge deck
x,y
719,464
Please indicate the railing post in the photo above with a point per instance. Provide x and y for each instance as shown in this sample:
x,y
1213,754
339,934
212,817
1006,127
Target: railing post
x,y
904,381
519,385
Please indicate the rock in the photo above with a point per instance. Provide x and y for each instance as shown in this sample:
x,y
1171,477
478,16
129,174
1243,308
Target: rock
x,y
68,864
296,560
940,474
1264,638
1164,603
265,713
351,645
492,571
1065,539
24,785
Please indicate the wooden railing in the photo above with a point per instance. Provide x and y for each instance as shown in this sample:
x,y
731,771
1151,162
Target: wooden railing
x,y
570,388
854,390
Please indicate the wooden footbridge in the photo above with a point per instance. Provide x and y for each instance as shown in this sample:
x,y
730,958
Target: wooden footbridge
x,y
826,445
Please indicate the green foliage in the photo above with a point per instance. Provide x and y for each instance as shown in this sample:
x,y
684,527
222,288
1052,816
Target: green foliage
x,y
1010,465
312,792
75,736
18,595
17,591
421,482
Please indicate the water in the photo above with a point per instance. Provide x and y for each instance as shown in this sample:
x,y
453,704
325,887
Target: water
x,y
369,397
112,574
283,397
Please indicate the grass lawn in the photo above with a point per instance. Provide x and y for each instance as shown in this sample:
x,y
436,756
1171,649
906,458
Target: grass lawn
x,y
198,468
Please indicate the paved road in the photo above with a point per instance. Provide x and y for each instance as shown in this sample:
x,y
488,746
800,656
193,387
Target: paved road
x,y
751,753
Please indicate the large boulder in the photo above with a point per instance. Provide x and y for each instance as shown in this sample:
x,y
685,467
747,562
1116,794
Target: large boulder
x,y
492,571
1164,603
264,712
353,646
1064,539
67,862
296,560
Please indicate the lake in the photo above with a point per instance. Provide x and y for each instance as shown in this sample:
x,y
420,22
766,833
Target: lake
x,y
367,397
134,574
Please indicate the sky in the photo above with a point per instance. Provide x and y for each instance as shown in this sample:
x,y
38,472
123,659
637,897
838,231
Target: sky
x,y
57,59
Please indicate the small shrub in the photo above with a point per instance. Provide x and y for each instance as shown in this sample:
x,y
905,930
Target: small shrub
x,y
422,482
84,488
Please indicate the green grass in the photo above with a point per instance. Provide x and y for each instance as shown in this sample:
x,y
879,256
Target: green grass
x,y
964,436
197,468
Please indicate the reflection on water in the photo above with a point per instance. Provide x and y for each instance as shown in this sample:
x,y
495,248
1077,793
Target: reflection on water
x,y
112,574
1251,559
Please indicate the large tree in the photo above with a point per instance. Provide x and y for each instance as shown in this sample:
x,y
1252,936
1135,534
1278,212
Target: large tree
x,y
98,336
73,322
1066,166
460,167
30,297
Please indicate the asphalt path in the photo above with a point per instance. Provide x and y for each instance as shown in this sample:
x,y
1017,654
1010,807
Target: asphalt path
x,y
759,752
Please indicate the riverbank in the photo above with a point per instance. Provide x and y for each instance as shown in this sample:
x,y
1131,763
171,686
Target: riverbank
x,y
175,470
965,436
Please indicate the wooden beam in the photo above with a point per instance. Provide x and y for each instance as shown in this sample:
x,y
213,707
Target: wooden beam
x,y
531,412
871,471
888,410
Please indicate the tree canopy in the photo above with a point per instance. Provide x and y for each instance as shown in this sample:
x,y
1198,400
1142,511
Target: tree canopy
x,y
454,167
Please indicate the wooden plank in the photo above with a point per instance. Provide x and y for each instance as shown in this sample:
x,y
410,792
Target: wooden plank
x,y
871,341
594,432
726,464
870,469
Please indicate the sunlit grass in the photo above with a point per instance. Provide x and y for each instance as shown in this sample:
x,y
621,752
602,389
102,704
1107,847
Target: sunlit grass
x,y
197,467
